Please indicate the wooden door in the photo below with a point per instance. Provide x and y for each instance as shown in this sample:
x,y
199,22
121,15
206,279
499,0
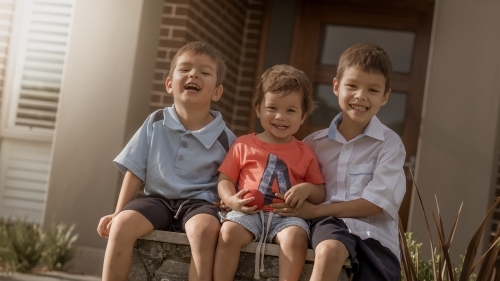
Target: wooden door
x,y
325,28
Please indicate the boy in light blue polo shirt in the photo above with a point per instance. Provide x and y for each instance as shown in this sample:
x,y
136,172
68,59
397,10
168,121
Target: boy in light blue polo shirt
x,y
176,153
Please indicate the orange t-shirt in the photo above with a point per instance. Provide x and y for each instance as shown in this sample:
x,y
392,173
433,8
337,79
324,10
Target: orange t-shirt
x,y
270,168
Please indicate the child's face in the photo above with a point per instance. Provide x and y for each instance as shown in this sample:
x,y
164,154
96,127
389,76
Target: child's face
x,y
193,82
361,94
280,116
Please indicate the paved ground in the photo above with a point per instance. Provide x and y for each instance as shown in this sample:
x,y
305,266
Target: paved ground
x,y
49,276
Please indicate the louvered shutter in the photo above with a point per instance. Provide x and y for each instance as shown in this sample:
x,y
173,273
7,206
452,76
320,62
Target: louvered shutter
x,y
40,35
6,15
24,170
38,67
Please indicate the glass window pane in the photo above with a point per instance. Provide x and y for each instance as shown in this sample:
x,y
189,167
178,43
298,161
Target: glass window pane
x,y
392,114
328,106
398,44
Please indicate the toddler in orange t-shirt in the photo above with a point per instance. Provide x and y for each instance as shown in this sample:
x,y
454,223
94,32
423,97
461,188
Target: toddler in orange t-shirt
x,y
274,166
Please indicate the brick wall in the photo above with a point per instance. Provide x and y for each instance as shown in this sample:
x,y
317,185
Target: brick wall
x,y
234,28
6,18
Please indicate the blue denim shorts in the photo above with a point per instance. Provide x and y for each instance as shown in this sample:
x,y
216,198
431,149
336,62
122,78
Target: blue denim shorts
x,y
253,223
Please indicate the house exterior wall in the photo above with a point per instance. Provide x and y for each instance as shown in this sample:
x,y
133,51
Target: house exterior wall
x,y
458,140
105,98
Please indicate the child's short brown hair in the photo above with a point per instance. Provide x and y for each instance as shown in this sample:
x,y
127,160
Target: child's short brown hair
x,y
368,57
286,79
201,48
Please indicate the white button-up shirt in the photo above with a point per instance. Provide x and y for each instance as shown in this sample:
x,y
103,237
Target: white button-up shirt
x,y
369,166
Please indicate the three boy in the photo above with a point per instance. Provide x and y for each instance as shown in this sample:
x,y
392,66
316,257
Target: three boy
x,y
361,161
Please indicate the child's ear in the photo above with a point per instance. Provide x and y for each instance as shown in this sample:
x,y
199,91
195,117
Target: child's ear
x,y
385,98
218,93
257,111
168,86
303,119
336,86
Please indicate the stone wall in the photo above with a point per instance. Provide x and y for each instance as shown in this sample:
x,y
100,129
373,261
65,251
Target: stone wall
x,y
165,256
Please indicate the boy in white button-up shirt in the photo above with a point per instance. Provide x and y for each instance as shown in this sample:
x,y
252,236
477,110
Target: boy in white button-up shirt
x,y
362,163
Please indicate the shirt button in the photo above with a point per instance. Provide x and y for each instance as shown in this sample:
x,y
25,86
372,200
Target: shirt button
x,y
184,144
181,158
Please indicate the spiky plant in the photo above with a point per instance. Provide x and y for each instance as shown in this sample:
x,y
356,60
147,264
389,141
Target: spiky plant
x,y
442,266
27,242
59,246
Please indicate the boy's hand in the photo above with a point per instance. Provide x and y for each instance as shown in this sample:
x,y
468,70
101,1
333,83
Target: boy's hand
x,y
296,195
105,225
221,205
306,211
237,203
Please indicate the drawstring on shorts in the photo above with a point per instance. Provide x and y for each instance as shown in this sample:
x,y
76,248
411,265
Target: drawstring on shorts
x,y
259,255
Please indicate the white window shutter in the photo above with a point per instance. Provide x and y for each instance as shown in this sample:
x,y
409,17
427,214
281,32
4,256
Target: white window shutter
x,y
38,68
6,15
24,168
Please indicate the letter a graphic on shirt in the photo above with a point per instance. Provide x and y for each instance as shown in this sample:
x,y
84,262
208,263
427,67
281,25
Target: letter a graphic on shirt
x,y
276,169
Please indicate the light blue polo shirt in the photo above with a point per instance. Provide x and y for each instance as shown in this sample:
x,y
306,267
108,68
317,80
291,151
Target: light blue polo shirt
x,y
174,162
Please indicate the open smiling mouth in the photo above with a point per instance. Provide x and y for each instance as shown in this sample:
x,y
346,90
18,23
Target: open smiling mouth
x,y
281,127
191,86
358,107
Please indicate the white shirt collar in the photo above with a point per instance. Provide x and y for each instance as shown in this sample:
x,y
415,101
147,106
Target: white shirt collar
x,y
375,129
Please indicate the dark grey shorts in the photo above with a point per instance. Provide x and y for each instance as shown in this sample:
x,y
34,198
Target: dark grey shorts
x,y
170,214
369,259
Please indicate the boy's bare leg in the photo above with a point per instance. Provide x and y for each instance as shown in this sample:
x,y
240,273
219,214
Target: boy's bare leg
x,y
329,258
202,231
293,248
126,228
232,238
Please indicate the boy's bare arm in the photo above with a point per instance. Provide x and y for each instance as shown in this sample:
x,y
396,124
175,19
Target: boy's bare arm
x,y
130,185
227,192
295,196
350,209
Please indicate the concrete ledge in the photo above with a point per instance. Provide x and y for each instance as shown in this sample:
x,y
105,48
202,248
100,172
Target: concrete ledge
x,y
181,239
163,255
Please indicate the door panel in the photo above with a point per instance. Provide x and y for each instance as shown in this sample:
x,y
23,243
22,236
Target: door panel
x,y
325,28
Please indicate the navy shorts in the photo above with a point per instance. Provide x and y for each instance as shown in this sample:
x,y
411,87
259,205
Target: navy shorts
x,y
170,214
369,259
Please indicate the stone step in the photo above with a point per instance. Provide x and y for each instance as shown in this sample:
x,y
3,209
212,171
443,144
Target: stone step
x,y
165,256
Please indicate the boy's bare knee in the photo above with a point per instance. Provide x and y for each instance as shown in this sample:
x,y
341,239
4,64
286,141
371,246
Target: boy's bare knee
x,y
332,250
199,228
129,226
292,236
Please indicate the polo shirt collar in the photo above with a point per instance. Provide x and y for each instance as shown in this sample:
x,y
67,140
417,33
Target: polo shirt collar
x,y
206,135
375,129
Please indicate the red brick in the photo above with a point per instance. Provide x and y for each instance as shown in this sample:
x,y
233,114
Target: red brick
x,y
167,10
178,33
181,11
161,54
173,21
159,75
